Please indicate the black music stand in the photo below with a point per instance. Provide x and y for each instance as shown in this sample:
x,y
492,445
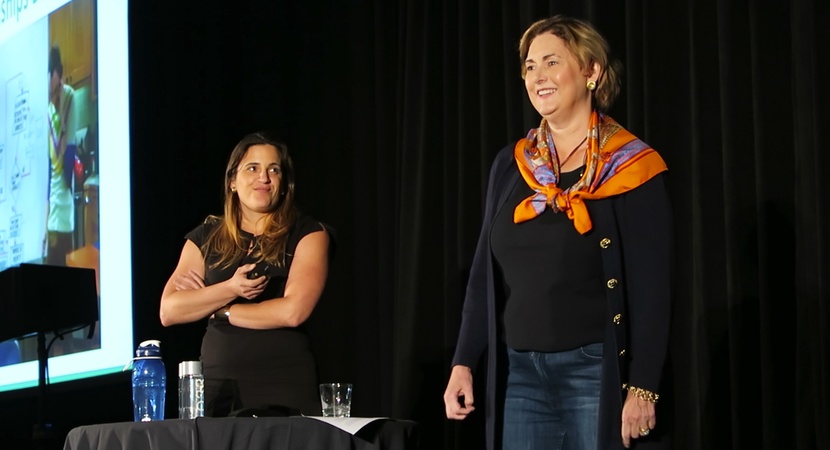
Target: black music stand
x,y
39,299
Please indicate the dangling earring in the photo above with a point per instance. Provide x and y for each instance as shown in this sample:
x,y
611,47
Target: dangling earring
x,y
591,85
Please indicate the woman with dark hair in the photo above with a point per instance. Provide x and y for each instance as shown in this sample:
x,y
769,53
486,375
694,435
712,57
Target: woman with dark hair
x,y
257,272
570,288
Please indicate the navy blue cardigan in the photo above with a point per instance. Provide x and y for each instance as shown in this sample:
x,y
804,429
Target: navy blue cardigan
x,y
635,232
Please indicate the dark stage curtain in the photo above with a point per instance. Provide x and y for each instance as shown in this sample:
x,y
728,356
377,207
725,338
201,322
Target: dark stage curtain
x,y
393,111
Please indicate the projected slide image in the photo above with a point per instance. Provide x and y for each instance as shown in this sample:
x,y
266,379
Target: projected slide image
x,y
49,156
65,175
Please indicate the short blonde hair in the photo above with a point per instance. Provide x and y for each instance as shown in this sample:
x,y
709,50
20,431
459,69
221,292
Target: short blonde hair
x,y
586,43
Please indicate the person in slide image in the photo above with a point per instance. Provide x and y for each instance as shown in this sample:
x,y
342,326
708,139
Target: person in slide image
x,y
569,293
60,218
257,273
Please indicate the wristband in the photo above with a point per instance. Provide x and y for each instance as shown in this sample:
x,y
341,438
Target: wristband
x,y
223,314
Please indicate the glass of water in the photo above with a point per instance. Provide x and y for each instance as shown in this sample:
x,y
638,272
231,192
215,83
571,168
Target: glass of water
x,y
336,399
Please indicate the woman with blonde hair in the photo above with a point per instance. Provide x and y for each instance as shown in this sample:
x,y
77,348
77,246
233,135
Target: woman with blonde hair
x,y
570,289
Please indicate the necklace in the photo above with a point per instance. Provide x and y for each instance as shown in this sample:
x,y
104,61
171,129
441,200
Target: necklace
x,y
562,163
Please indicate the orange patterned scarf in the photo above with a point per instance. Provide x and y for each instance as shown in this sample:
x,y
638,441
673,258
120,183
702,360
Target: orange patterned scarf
x,y
616,162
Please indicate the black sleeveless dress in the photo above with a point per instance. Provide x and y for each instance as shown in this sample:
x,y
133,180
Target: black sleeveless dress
x,y
259,369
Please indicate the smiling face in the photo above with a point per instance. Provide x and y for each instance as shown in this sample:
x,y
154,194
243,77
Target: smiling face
x,y
555,83
258,180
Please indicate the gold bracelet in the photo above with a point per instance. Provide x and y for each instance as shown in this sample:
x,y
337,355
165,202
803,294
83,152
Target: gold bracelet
x,y
643,394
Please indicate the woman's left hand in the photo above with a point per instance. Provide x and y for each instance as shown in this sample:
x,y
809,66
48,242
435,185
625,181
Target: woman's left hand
x,y
190,280
638,418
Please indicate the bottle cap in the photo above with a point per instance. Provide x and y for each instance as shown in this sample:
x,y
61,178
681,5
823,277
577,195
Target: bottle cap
x,y
150,347
190,368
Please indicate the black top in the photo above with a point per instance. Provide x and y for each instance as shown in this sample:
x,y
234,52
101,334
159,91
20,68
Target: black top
x,y
634,232
246,368
277,275
552,278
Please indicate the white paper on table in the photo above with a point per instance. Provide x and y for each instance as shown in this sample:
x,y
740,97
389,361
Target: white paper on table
x,y
350,425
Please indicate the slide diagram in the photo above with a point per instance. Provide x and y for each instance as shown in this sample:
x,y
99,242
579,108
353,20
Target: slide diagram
x,y
24,170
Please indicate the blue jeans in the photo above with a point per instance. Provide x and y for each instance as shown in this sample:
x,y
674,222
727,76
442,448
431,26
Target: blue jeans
x,y
552,399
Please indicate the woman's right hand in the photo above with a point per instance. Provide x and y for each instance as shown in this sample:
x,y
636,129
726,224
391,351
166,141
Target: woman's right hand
x,y
459,389
190,280
242,286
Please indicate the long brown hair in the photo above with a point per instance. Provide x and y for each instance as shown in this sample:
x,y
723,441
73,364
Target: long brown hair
x,y
225,240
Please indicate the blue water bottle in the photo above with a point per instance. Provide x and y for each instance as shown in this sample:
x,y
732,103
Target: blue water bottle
x,y
149,382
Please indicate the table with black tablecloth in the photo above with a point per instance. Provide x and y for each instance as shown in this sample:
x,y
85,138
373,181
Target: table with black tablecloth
x,y
278,433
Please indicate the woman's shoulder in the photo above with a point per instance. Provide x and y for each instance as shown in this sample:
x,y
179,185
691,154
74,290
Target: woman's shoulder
x,y
502,163
503,158
506,154
210,222
199,234
305,224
